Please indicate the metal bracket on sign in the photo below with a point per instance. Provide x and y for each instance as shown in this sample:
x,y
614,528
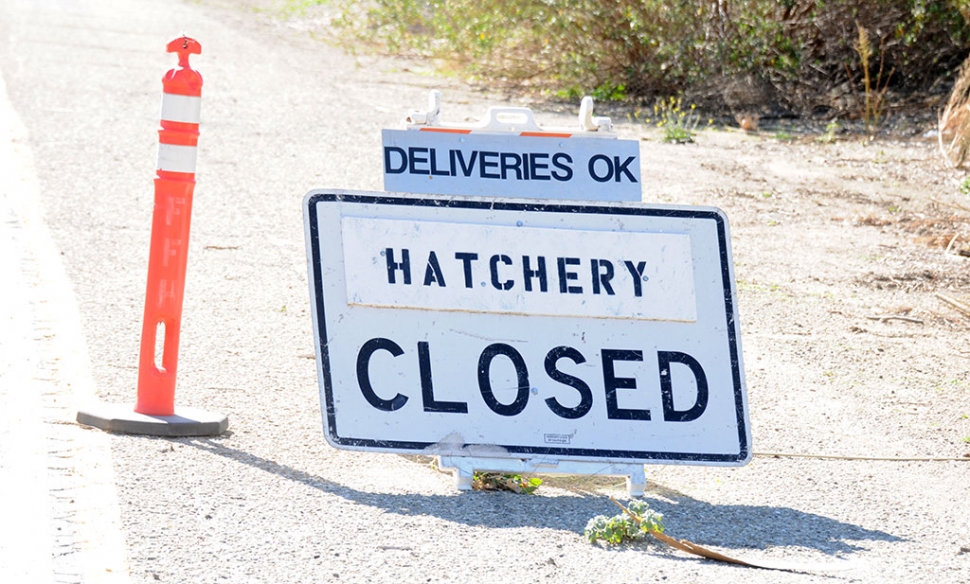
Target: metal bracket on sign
x,y
500,119
463,469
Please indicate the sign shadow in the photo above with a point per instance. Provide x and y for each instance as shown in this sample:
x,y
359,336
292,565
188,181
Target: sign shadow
x,y
758,526
724,526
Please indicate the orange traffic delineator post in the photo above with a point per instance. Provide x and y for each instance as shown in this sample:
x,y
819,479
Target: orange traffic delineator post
x,y
178,137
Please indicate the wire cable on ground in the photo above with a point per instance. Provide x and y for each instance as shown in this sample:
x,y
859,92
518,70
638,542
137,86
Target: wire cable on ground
x,y
877,458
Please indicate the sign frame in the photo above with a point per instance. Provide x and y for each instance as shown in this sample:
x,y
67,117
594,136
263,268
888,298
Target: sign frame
x,y
315,198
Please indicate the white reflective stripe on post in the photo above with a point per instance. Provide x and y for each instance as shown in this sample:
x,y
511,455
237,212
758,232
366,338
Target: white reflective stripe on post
x,y
176,158
181,108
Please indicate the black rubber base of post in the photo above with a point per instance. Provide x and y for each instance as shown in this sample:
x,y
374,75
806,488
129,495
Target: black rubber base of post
x,y
122,419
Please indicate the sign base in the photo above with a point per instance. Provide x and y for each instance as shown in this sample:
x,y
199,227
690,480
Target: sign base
x,y
463,469
123,419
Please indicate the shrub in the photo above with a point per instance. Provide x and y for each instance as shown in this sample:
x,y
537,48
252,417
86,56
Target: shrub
x,y
797,54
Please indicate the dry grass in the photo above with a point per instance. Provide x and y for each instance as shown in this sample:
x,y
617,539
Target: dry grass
x,y
954,121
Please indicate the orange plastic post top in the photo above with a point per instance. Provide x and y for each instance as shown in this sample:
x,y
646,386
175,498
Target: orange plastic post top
x,y
185,80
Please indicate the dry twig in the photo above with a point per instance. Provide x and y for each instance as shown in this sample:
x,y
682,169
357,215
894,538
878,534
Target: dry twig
x,y
963,307
884,318
953,205
692,548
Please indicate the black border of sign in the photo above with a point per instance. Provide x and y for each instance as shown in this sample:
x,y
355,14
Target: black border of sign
x,y
313,235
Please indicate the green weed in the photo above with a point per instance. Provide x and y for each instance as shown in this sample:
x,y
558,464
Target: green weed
x,y
678,124
965,186
622,527
830,130
515,483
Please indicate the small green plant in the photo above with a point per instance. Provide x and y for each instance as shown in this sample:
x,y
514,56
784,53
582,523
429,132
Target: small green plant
x,y
677,123
966,439
784,136
965,186
515,483
622,526
830,130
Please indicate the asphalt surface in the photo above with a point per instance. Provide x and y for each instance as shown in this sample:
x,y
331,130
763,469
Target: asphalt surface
x,y
270,501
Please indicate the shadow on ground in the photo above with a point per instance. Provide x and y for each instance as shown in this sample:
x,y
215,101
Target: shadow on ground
x,y
726,526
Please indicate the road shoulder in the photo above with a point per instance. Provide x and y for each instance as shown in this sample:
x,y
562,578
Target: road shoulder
x,y
58,476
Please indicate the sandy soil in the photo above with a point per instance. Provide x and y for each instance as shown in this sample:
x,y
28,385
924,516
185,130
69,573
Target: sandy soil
x,y
845,253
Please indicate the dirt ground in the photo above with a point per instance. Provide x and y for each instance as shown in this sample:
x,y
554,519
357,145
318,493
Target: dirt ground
x,y
845,254
845,251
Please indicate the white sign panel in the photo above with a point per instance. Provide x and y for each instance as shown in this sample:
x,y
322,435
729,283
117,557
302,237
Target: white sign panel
x,y
540,165
532,330
469,267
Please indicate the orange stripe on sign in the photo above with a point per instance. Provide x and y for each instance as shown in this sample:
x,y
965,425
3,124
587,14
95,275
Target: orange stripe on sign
x,y
447,130
545,135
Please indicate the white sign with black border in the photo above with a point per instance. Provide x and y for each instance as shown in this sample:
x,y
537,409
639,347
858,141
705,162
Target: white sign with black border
x,y
540,165
526,329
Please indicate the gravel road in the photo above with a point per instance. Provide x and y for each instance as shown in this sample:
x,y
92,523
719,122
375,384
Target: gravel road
x,y
270,501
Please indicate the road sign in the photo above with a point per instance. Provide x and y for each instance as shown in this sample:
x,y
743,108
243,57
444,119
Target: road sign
x,y
511,164
512,329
